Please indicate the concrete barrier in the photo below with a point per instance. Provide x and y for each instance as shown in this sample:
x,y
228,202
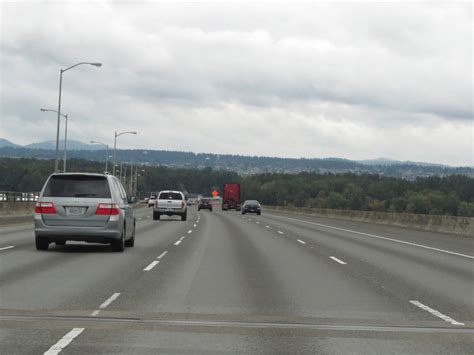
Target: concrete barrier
x,y
447,224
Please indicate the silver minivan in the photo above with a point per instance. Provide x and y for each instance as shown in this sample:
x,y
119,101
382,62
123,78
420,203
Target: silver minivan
x,y
84,207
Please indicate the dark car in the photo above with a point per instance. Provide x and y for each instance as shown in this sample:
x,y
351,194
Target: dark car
x,y
205,204
252,206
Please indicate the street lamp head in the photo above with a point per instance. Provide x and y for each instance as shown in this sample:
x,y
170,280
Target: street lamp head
x,y
98,65
43,109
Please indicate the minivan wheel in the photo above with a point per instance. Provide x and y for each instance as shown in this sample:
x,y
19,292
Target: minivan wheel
x,y
119,244
184,216
131,242
156,216
41,243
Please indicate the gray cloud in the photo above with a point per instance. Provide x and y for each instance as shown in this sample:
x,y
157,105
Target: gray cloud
x,y
348,80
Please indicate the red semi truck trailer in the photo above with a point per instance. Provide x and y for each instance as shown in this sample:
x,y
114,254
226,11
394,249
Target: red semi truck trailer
x,y
231,196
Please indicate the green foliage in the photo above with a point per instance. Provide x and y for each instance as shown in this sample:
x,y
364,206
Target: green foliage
x,y
449,195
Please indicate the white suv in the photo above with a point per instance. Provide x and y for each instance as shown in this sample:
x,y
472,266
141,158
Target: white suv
x,y
170,203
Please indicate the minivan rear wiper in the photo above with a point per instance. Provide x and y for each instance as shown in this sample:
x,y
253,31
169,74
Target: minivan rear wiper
x,y
84,195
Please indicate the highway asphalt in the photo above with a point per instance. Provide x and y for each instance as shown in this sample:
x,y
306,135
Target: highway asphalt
x,y
222,282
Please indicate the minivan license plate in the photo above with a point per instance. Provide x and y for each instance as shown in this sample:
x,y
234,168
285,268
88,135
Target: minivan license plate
x,y
75,211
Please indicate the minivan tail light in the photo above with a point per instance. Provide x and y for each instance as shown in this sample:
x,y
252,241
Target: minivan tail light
x,y
108,209
45,208
182,204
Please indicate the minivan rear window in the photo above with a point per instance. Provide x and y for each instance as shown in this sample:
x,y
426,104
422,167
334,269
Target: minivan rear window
x,y
83,186
170,196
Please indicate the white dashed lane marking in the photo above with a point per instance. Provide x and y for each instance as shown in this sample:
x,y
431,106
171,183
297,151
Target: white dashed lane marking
x,y
190,231
110,300
280,232
9,247
338,260
301,241
65,341
162,254
96,312
268,227
378,237
151,266
436,313
194,225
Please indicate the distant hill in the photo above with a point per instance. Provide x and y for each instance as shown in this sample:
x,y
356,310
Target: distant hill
x,y
388,161
6,143
71,145
244,165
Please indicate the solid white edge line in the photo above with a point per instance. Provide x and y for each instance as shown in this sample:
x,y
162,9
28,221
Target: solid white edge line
x,y
280,232
110,300
163,254
151,266
9,247
338,260
64,341
96,312
378,237
436,313
301,241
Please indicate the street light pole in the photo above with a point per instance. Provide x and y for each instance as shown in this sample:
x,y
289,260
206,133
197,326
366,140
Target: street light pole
x,y
65,145
65,134
56,158
61,71
106,154
115,146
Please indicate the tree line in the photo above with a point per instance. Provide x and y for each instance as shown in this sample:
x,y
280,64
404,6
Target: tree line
x,y
448,195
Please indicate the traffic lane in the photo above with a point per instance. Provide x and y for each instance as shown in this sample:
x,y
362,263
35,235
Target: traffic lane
x,y
210,273
453,242
82,292
408,272
73,277
101,337
202,278
229,268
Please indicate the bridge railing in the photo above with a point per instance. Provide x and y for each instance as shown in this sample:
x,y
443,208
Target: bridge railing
x,y
14,196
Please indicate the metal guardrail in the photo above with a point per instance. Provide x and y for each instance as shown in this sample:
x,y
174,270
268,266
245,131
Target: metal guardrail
x,y
13,196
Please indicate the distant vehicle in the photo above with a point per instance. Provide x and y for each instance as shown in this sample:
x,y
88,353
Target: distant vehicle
x,y
252,206
170,203
205,204
84,207
231,196
152,199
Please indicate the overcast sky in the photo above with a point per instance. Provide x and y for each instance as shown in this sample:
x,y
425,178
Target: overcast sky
x,y
350,80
